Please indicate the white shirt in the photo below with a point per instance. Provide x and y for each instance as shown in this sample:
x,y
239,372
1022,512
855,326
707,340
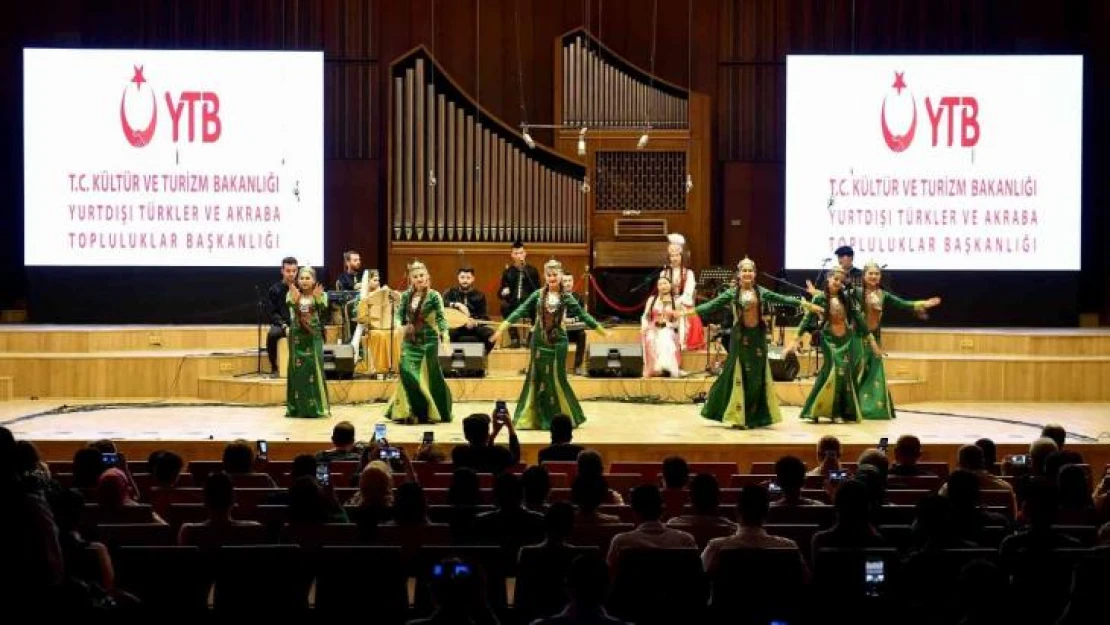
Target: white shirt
x,y
650,535
744,538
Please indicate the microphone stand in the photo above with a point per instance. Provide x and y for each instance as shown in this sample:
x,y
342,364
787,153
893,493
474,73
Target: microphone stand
x,y
258,334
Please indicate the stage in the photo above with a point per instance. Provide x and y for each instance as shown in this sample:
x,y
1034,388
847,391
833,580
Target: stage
x,y
192,388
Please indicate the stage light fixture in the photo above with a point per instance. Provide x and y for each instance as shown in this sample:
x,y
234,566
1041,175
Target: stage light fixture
x,y
582,141
528,139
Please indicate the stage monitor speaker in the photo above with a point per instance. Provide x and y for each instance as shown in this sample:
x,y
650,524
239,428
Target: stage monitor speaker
x,y
466,360
615,360
339,361
783,369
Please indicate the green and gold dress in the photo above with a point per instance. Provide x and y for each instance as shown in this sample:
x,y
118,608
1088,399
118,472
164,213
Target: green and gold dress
x,y
546,391
874,394
421,395
744,393
835,394
306,392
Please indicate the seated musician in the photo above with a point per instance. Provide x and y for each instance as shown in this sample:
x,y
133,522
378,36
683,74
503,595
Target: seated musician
x,y
465,298
576,331
349,281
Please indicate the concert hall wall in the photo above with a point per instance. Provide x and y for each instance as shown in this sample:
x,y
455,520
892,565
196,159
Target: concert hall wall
x,y
737,58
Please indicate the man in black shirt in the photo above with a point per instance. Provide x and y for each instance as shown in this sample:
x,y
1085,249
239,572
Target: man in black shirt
x,y
575,333
561,448
518,281
480,454
467,299
279,311
352,268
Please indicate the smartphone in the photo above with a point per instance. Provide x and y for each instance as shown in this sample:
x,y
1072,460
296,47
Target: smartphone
x,y
501,407
429,438
459,569
838,476
774,489
1019,461
263,450
323,473
884,444
110,460
379,432
873,577
389,453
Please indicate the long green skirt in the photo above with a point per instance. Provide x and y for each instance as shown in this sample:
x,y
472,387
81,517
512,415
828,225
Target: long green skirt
x,y
306,392
421,395
546,391
835,394
875,400
744,394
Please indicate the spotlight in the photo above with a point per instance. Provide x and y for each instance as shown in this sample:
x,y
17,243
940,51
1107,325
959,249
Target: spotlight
x,y
585,184
528,139
432,178
642,143
689,183
582,141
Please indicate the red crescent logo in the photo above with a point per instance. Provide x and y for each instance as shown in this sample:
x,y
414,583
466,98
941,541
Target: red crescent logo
x,y
899,143
138,138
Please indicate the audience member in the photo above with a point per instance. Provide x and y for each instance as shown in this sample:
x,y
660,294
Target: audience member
x,y
828,456
510,525
990,455
310,504
647,503
67,507
588,494
219,500
1056,433
458,596
558,523
561,449
853,528
113,492
874,480
238,462
790,476
983,596
752,509
933,527
32,470
588,587
592,467
676,473
165,468
970,458
1076,504
1058,460
480,453
877,459
705,499
1038,509
410,507
1039,451
304,465
537,487
88,464
907,452
345,448
465,489
969,519
372,504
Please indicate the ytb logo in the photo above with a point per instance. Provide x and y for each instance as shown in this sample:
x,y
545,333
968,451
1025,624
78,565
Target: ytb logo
x,y
942,114
199,111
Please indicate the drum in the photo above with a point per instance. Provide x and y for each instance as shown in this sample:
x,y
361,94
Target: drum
x,y
377,309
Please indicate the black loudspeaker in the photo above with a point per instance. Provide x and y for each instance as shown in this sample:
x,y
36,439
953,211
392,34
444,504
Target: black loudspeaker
x,y
466,360
783,369
339,361
615,360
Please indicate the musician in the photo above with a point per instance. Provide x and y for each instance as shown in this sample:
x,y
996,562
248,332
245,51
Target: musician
x,y
518,281
279,311
352,267
578,334
845,257
471,301
349,281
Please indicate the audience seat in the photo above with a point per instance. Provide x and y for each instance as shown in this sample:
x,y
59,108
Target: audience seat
x,y
757,586
345,573
167,580
135,535
821,516
722,471
486,561
839,573
597,535
411,538
315,536
800,533
541,580
567,467
704,533
210,538
94,515
258,580
659,586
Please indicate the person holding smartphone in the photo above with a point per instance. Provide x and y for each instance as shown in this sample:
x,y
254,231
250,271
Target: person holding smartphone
x,y
480,453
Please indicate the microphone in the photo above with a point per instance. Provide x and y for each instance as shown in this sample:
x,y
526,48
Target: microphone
x,y
826,261
831,200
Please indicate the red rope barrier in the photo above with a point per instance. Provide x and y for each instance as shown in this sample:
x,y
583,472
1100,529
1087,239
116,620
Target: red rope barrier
x,y
615,306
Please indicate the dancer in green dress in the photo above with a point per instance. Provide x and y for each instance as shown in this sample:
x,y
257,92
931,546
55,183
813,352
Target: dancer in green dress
x,y
421,395
835,394
744,394
546,391
306,391
874,395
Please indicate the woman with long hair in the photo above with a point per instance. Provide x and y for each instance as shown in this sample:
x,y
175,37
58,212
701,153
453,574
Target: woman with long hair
x,y
744,393
875,400
421,395
835,394
683,285
306,393
660,332
546,391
